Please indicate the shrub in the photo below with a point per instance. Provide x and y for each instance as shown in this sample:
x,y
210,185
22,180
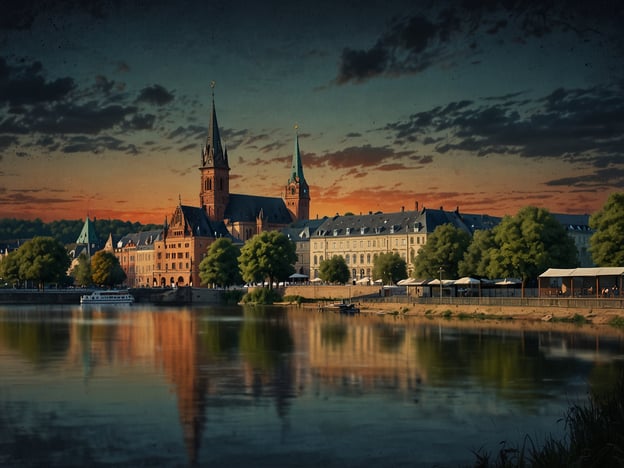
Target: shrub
x,y
262,296
233,296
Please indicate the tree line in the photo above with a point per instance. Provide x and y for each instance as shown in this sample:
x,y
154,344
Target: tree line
x,y
66,231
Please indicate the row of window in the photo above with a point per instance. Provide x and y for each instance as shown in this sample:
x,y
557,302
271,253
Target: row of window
x,y
174,266
353,258
370,243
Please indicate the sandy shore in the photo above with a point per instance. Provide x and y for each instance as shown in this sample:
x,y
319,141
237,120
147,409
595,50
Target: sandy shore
x,y
534,314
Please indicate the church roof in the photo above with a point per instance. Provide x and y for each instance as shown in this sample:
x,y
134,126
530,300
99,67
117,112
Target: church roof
x,y
246,208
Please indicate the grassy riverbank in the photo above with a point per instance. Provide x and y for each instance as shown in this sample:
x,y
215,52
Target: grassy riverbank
x,y
594,438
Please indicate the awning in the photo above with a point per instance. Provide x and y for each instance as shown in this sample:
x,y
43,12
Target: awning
x,y
582,272
297,276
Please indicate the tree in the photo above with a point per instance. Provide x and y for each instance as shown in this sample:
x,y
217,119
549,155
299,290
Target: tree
x,y
334,270
529,243
477,258
220,266
606,244
389,268
445,248
106,270
42,259
268,255
82,271
9,268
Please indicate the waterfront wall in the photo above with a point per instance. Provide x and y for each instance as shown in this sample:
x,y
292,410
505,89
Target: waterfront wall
x,y
311,291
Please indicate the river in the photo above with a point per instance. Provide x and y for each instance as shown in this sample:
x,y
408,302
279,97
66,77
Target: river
x,y
274,386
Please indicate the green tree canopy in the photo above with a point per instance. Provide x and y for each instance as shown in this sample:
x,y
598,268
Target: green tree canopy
x,y
389,268
445,248
476,260
334,270
106,270
268,255
606,244
9,268
43,260
82,271
529,243
220,266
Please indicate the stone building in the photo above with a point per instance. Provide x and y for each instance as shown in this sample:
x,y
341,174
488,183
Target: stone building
x,y
359,239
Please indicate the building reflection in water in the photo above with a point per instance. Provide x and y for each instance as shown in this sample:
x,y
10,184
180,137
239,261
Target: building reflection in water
x,y
260,354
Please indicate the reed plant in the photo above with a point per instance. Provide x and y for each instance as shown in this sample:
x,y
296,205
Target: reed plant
x,y
594,438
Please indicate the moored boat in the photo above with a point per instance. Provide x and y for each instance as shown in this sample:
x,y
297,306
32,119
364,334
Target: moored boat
x,y
107,297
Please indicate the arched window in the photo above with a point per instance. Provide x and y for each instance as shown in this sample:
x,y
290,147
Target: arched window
x,y
315,260
368,258
361,258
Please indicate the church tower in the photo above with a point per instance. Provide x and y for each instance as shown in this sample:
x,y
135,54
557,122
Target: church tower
x,y
297,196
215,171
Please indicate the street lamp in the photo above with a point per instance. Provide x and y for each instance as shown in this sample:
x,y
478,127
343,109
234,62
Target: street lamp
x,y
440,271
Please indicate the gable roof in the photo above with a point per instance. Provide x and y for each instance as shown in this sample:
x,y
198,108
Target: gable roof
x,y
247,208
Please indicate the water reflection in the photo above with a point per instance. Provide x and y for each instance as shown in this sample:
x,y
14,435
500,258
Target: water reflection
x,y
231,385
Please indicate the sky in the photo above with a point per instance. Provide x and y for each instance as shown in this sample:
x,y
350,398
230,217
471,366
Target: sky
x,y
486,106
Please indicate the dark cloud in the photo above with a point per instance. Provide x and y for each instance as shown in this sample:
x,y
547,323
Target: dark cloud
x,y
415,43
155,95
96,145
585,124
6,141
25,84
366,156
50,109
140,122
359,65
612,177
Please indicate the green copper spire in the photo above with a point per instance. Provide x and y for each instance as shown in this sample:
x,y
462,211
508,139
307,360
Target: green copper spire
x,y
88,237
296,171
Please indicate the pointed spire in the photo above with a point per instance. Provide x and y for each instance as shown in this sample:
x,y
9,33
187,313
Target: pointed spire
x,y
296,171
88,236
212,153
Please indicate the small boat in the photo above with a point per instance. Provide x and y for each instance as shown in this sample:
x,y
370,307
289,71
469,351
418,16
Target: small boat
x,y
107,297
348,309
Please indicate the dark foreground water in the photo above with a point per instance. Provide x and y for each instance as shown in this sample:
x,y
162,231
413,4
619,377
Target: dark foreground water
x,y
272,387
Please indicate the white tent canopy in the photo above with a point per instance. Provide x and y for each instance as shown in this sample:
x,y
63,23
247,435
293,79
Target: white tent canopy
x,y
467,281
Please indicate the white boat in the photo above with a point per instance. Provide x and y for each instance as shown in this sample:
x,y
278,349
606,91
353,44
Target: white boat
x,y
107,297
